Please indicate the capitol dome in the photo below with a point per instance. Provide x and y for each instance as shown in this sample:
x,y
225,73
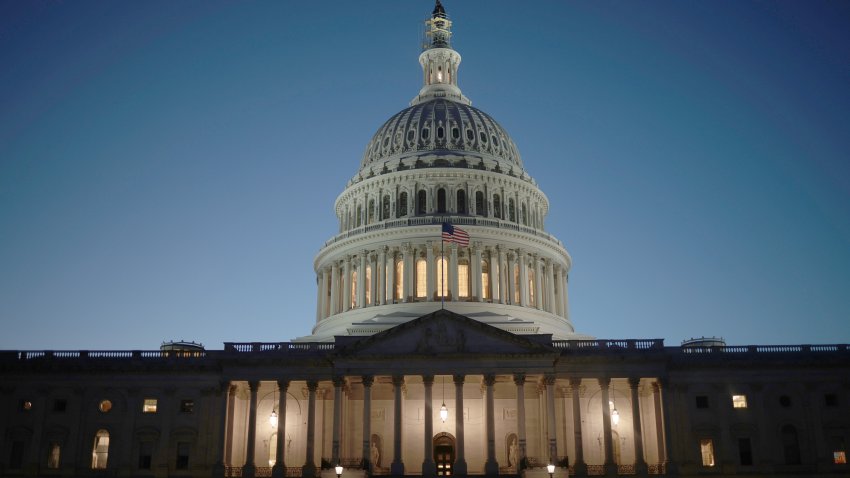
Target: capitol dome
x,y
441,164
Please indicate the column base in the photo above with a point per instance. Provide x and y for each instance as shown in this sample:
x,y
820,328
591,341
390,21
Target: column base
x,y
640,468
459,468
491,468
397,468
279,470
610,469
249,471
308,471
218,470
429,469
580,469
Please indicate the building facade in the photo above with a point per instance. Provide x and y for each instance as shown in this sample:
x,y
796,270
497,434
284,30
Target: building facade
x,y
432,358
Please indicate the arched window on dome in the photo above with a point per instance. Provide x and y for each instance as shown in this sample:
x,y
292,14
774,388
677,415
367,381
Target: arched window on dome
x,y
532,297
421,202
100,450
398,287
479,203
524,215
511,210
353,298
497,206
441,201
401,208
385,208
485,279
371,217
516,284
442,277
359,219
463,278
461,201
368,285
421,278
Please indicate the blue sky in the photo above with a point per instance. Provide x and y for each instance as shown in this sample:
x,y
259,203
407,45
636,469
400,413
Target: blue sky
x,y
168,169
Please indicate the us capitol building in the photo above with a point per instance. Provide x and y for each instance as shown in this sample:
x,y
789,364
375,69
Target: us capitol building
x,y
429,357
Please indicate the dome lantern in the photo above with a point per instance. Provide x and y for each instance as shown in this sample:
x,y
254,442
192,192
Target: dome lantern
x,y
439,61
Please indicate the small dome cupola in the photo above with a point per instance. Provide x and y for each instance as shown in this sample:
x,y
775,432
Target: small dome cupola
x,y
439,61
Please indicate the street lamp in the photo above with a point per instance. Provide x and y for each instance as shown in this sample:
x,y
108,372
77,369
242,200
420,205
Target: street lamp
x,y
338,469
551,469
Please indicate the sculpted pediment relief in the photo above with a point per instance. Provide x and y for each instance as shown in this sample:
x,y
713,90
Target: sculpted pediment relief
x,y
443,333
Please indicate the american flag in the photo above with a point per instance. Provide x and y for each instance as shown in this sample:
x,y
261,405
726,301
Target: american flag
x,y
455,234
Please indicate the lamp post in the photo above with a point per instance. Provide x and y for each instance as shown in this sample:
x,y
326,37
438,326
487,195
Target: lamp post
x,y
551,469
338,468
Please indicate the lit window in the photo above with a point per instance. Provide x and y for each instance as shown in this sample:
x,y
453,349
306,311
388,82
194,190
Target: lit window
x,y
421,278
442,279
463,279
839,457
368,285
531,291
739,401
273,449
53,454
706,448
105,406
187,406
149,405
399,280
516,284
353,297
100,450
485,279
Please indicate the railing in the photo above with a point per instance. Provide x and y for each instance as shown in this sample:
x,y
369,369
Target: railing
x,y
656,469
286,347
629,344
595,470
104,354
765,349
263,472
626,470
233,471
294,471
435,220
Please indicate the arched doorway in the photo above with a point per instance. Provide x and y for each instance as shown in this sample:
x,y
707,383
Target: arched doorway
x,y
444,453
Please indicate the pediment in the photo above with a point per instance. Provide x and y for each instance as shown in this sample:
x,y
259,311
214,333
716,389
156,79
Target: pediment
x,y
443,333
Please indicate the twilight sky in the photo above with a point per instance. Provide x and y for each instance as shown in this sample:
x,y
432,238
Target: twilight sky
x,y
168,169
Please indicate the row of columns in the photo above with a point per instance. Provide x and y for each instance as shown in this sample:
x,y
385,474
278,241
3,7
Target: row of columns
x,y
491,466
541,282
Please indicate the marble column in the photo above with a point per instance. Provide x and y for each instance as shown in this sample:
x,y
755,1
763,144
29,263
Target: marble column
x,y
309,468
610,466
460,459
479,287
453,266
550,287
382,276
503,276
346,281
390,288
511,282
279,468
665,414
325,299
372,299
397,467
523,278
538,283
407,256
578,459
249,469
225,397
551,431
429,468
367,421
430,272
495,275
334,308
640,463
318,296
338,382
491,466
519,380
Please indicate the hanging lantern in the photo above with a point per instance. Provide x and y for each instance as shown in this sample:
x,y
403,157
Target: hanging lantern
x,y
273,419
444,413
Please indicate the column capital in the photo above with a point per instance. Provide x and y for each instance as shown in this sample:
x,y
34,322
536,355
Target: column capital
x,y
428,380
519,378
367,380
634,382
312,385
283,384
398,380
253,385
338,380
458,379
575,382
489,379
453,247
604,382
549,379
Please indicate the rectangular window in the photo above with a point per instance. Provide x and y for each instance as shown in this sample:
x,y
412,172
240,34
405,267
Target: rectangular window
x,y
745,451
187,406
702,401
739,401
145,454
463,280
149,405
182,456
421,279
368,285
839,457
60,405
706,448
53,452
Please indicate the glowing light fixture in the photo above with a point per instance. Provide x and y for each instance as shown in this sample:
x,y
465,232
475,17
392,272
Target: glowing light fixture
x,y
338,469
273,416
444,412
615,415
551,469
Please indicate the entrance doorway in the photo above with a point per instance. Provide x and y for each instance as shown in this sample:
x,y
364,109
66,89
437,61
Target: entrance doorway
x,y
444,454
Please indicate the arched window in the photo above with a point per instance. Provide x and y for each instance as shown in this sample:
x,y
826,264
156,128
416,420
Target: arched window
x,y
441,200
421,278
442,277
461,201
497,206
463,278
791,445
485,279
479,203
368,285
511,210
516,284
371,217
100,450
359,219
273,449
398,287
401,209
385,208
531,292
353,297
421,198
524,215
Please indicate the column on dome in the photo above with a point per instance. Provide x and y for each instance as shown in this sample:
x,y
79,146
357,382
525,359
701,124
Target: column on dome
x,y
361,280
367,421
249,468
429,468
476,274
491,466
523,278
390,285
309,468
511,257
559,291
324,288
503,275
397,466
407,283
460,460
346,280
431,272
550,287
318,296
610,466
334,289
279,468
565,297
372,298
495,270
519,380
538,283
381,286
453,267
640,463
578,459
